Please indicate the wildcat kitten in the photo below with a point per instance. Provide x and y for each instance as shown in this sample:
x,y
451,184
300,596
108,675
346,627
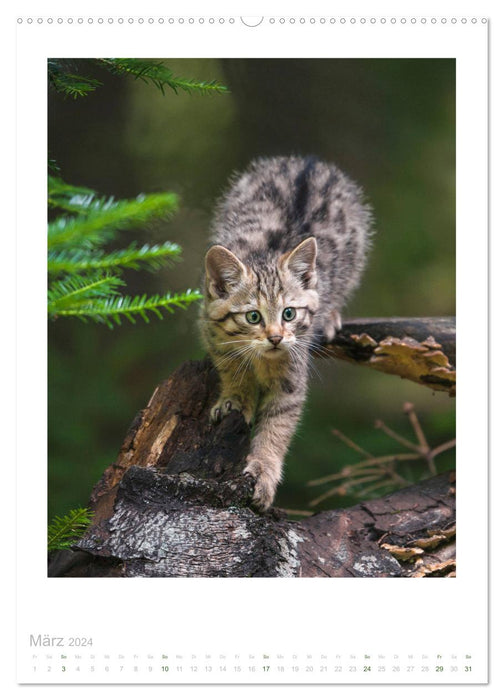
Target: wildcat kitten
x,y
290,239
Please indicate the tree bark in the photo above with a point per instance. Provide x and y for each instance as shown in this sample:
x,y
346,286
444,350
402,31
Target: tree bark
x,y
175,502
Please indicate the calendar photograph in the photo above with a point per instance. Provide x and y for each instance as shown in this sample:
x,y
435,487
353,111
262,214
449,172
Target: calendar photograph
x,y
251,317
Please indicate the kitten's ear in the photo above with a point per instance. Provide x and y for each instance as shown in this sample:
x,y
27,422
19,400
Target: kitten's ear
x,y
223,271
301,262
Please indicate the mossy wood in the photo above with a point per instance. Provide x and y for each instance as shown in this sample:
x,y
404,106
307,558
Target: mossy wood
x,y
175,502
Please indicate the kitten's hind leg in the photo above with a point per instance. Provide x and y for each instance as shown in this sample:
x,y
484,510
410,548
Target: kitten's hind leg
x,y
332,325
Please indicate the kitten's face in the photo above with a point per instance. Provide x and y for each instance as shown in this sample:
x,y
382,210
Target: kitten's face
x,y
264,313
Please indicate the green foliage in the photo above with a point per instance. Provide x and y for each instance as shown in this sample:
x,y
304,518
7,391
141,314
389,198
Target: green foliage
x,y
66,293
160,76
62,532
64,79
111,309
84,279
81,259
96,218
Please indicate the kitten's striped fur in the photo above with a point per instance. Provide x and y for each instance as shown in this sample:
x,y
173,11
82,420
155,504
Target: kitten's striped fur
x,y
289,236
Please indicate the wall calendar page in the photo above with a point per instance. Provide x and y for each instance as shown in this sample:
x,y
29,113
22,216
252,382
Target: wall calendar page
x,y
261,276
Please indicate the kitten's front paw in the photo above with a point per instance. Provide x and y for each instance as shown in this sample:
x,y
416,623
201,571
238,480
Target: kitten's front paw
x,y
225,405
265,483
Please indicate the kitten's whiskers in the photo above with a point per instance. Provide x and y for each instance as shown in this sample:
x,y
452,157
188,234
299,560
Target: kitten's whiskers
x,y
301,356
231,355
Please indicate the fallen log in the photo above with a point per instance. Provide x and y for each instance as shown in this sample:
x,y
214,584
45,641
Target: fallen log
x,y
175,502
158,529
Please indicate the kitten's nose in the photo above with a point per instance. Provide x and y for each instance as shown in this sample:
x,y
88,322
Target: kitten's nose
x,y
275,339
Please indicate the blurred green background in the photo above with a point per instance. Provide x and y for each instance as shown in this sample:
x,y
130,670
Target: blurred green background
x,y
390,124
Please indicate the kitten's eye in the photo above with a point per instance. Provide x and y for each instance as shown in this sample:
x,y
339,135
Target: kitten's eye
x,y
253,317
289,314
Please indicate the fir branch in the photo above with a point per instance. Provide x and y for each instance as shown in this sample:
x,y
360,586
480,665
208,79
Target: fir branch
x,y
62,532
68,83
85,278
76,290
68,197
160,76
111,310
81,260
53,167
63,78
99,217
